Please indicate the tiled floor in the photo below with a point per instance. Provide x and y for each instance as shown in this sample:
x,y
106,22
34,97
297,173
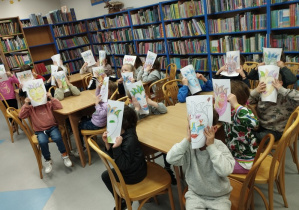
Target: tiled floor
x,y
80,188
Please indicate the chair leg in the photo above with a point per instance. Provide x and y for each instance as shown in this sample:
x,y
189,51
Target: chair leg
x,y
88,149
141,203
281,183
171,198
10,129
262,196
294,152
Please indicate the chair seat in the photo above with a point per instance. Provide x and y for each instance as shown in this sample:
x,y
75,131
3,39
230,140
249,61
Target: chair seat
x,y
235,193
157,179
262,175
93,132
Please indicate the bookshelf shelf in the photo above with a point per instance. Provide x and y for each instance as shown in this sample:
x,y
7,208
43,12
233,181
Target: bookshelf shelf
x,y
11,35
284,3
68,22
118,28
239,32
45,25
188,18
42,61
239,10
70,48
72,60
147,24
146,40
119,42
41,45
187,37
15,51
191,54
77,34
284,28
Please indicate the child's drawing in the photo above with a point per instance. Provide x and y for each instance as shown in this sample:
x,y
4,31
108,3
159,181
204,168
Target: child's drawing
x,y
24,76
127,76
150,59
193,84
129,59
98,72
272,55
36,92
221,91
232,62
104,89
54,69
114,119
267,74
3,75
88,57
61,76
200,115
137,90
102,57
56,58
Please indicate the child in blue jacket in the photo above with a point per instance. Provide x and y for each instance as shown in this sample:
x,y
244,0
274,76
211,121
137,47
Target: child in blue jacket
x,y
184,90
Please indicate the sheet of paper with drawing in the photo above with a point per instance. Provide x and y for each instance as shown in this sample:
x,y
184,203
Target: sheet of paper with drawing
x,y
271,55
56,58
150,59
222,89
104,89
54,69
232,61
193,83
102,57
24,76
267,74
3,75
129,59
88,57
61,76
99,73
36,92
200,115
136,90
127,76
114,119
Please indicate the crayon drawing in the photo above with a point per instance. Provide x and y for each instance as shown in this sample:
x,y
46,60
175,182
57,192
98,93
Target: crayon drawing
x,y
102,57
3,75
150,59
127,76
114,119
104,89
267,74
54,70
193,84
88,57
137,90
129,59
232,61
200,115
61,76
36,92
271,55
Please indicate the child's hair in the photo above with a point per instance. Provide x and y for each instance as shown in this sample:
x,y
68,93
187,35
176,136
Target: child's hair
x,y
242,60
111,88
129,118
240,90
25,67
138,62
132,68
283,57
157,65
215,117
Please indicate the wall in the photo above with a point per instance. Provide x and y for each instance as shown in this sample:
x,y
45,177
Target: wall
x,y
24,8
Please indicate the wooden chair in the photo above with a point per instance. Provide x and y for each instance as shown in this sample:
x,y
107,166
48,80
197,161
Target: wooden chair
x,y
171,71
272,168
52,88
114,95
156,182
11,124
248,66
86,81
294,67
170,90
12,112
158,94
125,99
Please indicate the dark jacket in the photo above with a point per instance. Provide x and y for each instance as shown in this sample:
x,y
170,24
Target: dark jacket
x,y
121,89
129,158
288,78
246,81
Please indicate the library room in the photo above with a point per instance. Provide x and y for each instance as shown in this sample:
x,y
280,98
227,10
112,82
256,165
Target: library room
x,y
178,104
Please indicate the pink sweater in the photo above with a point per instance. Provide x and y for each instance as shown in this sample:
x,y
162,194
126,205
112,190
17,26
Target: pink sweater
x,y
42,117
7,89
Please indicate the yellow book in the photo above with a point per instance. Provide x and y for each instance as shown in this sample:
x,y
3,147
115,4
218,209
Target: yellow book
x,y
176,11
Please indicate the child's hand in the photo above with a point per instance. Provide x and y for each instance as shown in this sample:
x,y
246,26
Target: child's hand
x,y
280,64
98,63
85,65
151,102
223,68
55,63
34,74
104,137
147,69
9,74
209,133
201,77
188,137
241,72
185,81
98,99
20,86
49,95
118,142
27,101
261,87
277,84
132,80
100,85
120,81
233,100
136,104
59,83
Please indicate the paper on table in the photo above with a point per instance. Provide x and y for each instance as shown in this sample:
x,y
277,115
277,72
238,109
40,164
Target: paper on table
x,y
267,74
200,115
137,90
193,84
271,55
114,119
88,57
36,92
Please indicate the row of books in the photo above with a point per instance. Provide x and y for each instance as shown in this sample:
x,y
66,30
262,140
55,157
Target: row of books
x,y
57,16
244,43
118,21
8,27
73,54
163,61
69,29
75,65
199,64
151,32
292,58
151,15
118,61
36,19
184,9
194,46
93,25
243,22
18,60
97,48
42,69
156,47
285,17
13,44
214,6
124,49
72,42
112,36
285,41
280,1
185,28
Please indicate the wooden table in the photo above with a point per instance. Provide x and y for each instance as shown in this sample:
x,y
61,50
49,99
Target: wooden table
x,y
74,108
77,80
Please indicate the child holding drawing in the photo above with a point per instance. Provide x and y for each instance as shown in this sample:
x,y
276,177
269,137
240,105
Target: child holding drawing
x,y
206,170
106,66
240,138
124,69
7,90
150,74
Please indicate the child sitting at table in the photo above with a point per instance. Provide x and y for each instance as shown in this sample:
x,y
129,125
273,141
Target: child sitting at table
x,y
127,153
150,75
184,90
206,170
45,126
59,91
124,69
240,138
287,102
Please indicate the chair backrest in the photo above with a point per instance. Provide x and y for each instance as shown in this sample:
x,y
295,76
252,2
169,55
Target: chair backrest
x,y
114,95
86,80
3,104
125,99
158,92
171,90
52,88
248,66
119,188
171,71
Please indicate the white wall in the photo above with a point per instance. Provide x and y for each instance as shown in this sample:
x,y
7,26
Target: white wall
x,y
24,8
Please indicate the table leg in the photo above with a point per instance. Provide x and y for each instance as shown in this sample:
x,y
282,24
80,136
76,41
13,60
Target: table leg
x,y
179,186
